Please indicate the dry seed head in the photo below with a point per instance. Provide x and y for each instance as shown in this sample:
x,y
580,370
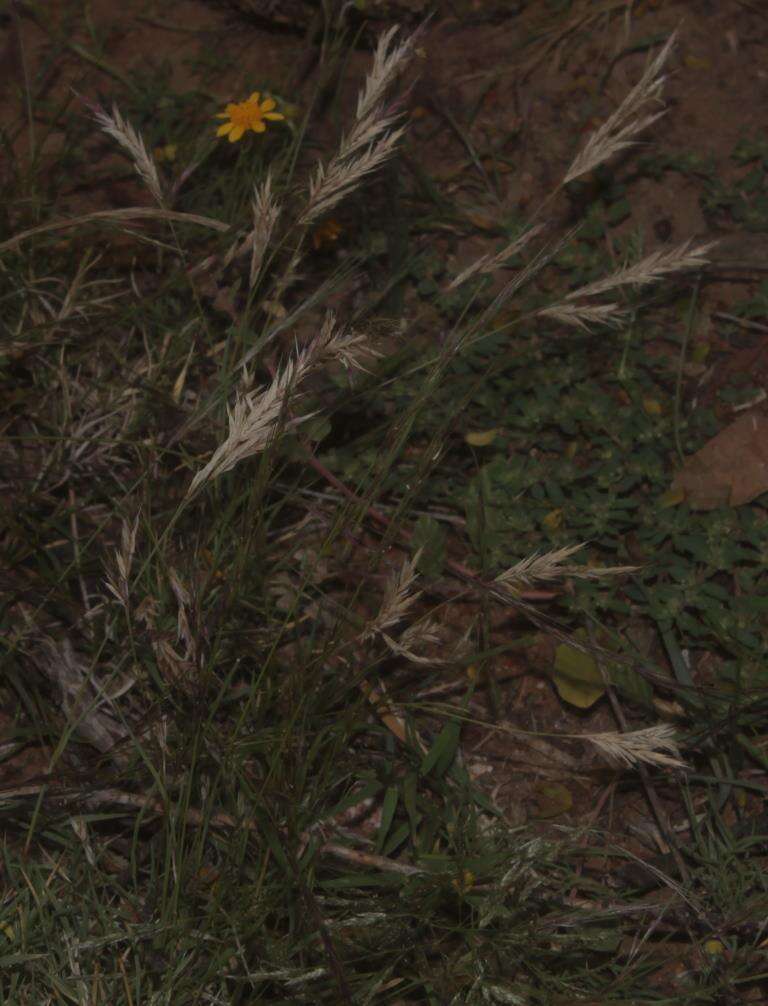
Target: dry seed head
x,y
373,138
124,561
184,602
386,65
265,213
650,269
116,127
652,746
398,598
583,316
330,186
343,346
622,127
254,420
416,637
550,566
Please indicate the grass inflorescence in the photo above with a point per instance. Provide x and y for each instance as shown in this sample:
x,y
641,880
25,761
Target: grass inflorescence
x,y
247,615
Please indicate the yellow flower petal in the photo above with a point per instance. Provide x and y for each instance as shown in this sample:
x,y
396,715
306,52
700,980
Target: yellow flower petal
x,y
221,115
223,130
274,116
268,104
255,96
236,134
258,127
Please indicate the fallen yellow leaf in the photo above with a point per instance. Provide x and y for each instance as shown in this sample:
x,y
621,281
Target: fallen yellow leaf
x,y
577,677
481,438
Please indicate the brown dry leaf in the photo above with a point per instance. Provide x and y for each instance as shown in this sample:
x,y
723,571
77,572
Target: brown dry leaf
x,y
729,470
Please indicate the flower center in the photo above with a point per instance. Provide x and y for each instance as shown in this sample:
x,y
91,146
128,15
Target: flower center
x,y
246,113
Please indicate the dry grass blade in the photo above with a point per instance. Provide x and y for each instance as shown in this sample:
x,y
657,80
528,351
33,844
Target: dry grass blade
x,y
620,129
125,214
541,259
117,127
652,746
490,263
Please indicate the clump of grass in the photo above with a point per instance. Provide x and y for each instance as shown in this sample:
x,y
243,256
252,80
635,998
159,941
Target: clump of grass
x,y
237,798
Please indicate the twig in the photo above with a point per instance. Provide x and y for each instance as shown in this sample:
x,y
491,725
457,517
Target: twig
x,y
369,859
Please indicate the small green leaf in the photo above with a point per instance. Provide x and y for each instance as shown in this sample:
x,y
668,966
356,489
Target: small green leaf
x,y
443,751
396,839
410,786
388,808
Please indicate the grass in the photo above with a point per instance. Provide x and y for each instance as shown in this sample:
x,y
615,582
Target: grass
x,y
254,574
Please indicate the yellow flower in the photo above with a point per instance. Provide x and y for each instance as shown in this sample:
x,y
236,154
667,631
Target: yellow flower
x,y
245,115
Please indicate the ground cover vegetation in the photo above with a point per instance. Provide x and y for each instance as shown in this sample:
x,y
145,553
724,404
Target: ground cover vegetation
x,y
300,515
